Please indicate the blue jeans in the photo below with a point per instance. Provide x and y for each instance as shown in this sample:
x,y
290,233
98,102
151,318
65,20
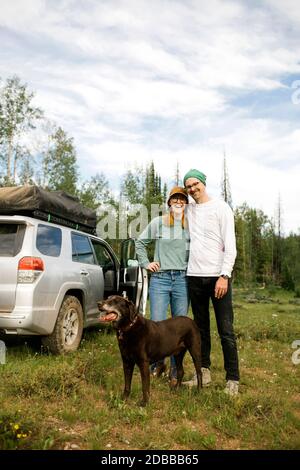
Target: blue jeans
x,y
168,288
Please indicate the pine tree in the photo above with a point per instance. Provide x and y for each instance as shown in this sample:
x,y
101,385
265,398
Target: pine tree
x,y
254,254
165,193
59,165
278,242
177,177
291,263
95,192
225,185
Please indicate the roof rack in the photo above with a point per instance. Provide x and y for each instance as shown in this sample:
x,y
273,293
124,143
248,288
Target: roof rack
x,y
61,221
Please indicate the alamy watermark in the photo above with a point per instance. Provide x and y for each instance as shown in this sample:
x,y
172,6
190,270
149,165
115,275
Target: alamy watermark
x,y
2,352
125,221
122,222
296,94
296,354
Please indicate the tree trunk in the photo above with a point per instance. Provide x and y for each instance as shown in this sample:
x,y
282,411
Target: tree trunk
x,y
9,158
15,167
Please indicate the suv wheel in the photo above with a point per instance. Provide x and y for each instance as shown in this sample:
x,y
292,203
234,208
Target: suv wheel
x,y
68,329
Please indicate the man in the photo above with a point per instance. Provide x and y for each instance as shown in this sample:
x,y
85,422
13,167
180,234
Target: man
x,y
211,260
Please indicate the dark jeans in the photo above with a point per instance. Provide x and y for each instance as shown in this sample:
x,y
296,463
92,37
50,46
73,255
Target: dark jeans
x,y
201,289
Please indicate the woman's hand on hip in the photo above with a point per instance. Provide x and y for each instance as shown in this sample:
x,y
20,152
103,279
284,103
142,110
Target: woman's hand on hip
x,y
153,267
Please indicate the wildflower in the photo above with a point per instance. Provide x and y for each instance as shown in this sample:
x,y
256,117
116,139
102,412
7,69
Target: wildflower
x,y
19,436
16,427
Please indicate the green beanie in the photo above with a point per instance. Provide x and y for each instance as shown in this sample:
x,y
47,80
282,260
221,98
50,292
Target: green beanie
x,y
195,174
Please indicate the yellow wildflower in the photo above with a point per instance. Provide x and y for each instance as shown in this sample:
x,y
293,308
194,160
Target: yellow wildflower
x,y
16,426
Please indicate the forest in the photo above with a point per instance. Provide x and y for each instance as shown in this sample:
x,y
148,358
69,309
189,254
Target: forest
x,y
35,150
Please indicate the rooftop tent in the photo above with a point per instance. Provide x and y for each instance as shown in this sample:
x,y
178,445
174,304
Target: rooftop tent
x,y
54,206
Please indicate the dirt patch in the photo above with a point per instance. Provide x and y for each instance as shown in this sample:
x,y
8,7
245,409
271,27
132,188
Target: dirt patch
x,y
75,433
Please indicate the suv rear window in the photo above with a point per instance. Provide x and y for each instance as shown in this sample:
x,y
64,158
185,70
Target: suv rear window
x,y
48,240
11,238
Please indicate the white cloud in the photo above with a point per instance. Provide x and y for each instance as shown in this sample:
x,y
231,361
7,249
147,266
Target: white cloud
x,y
17,13
133,80
288,9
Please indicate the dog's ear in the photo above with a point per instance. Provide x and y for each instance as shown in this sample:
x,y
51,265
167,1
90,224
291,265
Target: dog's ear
x,y
132,310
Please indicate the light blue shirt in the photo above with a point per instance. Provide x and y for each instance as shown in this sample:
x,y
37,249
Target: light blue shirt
x,y
171,245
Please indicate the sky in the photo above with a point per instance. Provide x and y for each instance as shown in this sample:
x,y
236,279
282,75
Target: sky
x,y
169,81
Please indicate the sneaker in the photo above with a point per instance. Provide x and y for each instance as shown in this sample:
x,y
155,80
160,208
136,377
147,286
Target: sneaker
x,y
232,388
206,379
191,383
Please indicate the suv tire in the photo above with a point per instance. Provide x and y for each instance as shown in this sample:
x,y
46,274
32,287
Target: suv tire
x,y
67,332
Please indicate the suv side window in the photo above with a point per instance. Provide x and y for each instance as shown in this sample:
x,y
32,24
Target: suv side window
x,y
103,256
82,251
107,264
48,240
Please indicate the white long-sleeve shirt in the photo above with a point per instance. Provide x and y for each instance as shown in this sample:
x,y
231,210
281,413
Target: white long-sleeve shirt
x,y
212,239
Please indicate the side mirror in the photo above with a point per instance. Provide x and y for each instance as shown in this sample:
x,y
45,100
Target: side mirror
x,y
132,263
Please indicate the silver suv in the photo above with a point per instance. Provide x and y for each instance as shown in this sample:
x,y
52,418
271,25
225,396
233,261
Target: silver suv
x,y
52,276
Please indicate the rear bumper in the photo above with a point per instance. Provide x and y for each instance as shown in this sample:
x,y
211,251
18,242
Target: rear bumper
x,y
28,322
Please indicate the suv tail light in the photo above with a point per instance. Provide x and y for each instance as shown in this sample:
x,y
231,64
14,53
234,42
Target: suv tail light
x,y
29,269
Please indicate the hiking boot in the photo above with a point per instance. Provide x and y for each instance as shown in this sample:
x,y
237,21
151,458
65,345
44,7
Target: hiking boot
x,y
232,388
173,382
206,379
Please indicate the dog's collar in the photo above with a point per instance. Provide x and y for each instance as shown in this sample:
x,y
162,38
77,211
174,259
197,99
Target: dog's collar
x,y
127,328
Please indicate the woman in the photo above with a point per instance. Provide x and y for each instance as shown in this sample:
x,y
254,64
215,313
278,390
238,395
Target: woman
x,y
168,283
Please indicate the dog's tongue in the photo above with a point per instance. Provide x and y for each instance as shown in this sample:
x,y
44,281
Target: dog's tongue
x,y
109,317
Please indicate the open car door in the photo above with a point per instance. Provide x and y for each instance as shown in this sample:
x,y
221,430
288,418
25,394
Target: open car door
x,y
133,279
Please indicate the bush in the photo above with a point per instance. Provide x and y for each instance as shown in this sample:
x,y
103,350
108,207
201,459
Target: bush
x,y
13,434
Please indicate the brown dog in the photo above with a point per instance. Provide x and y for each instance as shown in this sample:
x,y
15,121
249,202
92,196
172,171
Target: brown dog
x,y
144,341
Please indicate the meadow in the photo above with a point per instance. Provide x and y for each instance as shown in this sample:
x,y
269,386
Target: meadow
x,y
74,401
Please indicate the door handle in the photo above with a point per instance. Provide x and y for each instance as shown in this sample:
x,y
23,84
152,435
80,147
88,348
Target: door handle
x,y
84,273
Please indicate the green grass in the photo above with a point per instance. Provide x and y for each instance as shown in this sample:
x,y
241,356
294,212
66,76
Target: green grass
x,y
50,402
